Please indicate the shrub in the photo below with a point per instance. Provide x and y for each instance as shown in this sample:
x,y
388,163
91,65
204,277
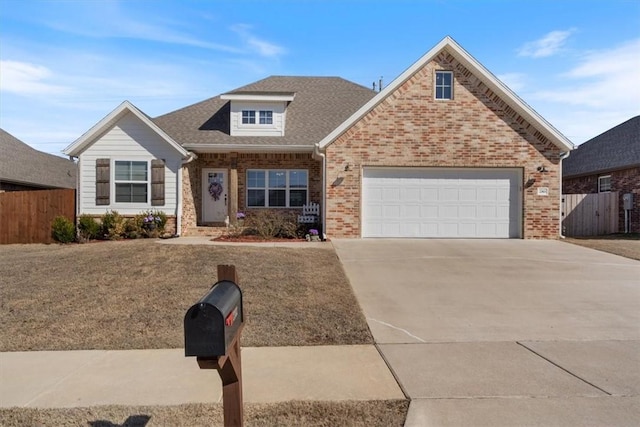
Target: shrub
x,y
270,224
63,230
150,223
113,225
88,228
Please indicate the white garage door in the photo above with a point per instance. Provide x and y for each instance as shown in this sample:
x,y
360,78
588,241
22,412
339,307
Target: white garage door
x,y
441,202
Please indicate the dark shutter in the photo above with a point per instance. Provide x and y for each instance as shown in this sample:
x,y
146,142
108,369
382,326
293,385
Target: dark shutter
x,y
157,182
103,175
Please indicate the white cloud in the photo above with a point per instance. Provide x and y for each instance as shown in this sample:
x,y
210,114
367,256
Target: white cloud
x,y
601,91
515,81
548,45
262,47
602,79
24,78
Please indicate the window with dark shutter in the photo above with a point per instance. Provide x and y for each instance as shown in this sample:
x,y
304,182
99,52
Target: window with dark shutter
x,y
157,182
102,181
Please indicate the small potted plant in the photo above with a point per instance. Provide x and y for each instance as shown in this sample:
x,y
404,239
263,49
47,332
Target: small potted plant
x,y
313,236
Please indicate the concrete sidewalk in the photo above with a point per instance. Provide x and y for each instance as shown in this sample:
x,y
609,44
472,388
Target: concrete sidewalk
x,y
63,379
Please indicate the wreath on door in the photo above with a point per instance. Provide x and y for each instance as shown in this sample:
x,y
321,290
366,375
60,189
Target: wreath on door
x,y
215,190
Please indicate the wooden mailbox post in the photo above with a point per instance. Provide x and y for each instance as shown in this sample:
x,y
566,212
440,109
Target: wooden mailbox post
x,y
229,364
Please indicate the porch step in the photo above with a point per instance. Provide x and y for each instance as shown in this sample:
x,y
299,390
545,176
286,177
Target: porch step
x,y
210,231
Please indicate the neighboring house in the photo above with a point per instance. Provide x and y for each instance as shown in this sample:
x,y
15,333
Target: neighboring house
x,y
446,150
608,162
24,168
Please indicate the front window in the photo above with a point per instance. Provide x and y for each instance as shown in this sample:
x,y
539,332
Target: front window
x,y
604,184
131,181
277,188
444,85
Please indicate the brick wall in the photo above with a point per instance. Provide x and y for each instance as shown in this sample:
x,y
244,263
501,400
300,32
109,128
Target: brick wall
x,y
410,128
622,181
192,177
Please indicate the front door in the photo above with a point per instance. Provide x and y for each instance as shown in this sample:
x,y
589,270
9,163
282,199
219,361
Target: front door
x,y
214,195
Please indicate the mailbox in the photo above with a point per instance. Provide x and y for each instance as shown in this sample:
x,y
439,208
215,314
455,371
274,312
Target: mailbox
x,y
212,323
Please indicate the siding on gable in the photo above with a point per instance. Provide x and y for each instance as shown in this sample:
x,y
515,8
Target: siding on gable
x,y
238,129
128,139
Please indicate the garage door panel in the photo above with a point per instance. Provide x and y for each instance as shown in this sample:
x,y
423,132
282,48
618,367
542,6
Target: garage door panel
x,y
441,202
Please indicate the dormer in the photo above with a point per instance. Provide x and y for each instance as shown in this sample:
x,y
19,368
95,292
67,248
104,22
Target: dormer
x,y
258,113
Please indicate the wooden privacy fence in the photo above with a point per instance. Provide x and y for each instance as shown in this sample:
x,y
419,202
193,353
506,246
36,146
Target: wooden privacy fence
x,y
26,216
589,214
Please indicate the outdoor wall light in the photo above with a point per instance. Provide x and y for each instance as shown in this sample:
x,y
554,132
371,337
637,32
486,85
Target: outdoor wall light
x,y
541,168
347,167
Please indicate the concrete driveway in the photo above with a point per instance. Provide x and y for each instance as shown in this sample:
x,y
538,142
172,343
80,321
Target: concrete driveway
x,y
503,332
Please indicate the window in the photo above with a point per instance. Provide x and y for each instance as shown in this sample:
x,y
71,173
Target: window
x,y
604,183
266,117
248,117
444,85
277,188
131,181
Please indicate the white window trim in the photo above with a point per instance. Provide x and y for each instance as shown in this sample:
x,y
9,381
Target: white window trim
x,y
435,77
600,178
257,124
266,188
132,205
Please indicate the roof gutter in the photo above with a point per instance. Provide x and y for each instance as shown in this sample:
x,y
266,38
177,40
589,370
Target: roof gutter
x,y
249,148
319,155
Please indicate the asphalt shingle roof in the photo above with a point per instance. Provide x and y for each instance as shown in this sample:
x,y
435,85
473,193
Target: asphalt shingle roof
x,y
319,106
617,148
21,164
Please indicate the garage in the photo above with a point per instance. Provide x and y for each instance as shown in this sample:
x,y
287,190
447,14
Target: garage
x,y
442,202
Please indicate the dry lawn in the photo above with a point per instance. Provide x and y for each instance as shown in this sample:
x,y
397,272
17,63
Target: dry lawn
x,y
387,413
626,245
134,294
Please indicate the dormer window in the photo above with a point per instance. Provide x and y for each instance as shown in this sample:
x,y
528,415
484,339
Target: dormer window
x,y
248,117
258,113
266,117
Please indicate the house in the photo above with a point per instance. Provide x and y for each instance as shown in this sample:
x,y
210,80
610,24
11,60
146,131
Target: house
x,y
24,168
446,150
608,162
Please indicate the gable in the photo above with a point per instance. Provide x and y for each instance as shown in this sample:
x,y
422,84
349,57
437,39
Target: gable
x,y
129,111
450,56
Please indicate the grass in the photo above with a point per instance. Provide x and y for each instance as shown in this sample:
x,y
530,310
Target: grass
x,y
134,294
387,413
626,245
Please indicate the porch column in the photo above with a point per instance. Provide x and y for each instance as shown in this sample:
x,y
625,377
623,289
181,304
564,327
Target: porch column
x,y
233,187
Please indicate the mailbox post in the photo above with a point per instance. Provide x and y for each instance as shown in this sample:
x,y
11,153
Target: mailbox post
x,y
212,329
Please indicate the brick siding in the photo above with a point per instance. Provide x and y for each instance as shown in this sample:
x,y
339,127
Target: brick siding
x,y
192,178
622,181
410,128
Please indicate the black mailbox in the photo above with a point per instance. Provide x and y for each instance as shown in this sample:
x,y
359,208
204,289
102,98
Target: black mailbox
x,y
211,324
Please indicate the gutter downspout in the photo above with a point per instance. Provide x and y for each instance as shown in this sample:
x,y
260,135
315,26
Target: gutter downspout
x,y
562,157
317,154
190,157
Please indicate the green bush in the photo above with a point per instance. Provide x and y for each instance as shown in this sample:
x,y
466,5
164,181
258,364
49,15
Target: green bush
x,y
63,230
88,228
113,225
150,223
269,224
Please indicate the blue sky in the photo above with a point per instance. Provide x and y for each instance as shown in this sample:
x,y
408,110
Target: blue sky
x,y
64,65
